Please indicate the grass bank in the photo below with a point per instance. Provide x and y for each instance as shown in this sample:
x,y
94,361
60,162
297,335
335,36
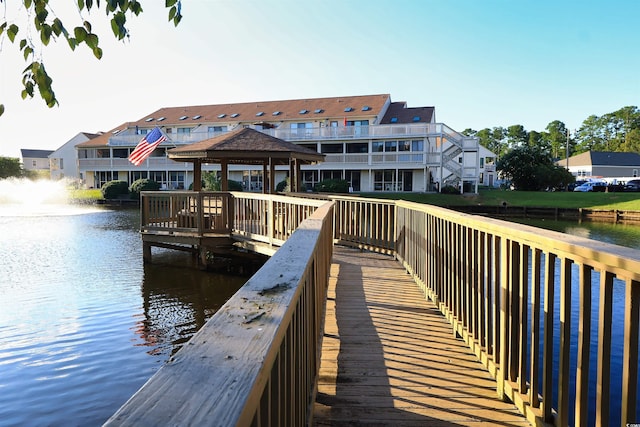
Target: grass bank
x,y
495,197
81,196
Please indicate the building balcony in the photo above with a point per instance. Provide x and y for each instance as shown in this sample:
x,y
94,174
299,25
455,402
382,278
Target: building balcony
x,y
421,130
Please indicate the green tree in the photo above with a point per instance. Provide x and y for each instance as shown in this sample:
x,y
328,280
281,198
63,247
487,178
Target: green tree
x,y
516,136
531,169
591,136
10,167
557,136
44,26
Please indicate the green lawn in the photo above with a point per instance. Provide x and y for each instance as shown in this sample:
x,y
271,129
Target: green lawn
x,y
495,197
85,196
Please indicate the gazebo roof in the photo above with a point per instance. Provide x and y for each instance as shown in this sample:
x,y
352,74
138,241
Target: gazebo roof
x,y
244,146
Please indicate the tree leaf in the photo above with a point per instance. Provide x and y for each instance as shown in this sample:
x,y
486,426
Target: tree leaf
x,y
92,41
27,51
12,31
1,109
45,34
80,33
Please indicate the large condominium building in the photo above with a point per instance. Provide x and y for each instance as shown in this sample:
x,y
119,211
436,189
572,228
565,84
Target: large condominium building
x,y
370,141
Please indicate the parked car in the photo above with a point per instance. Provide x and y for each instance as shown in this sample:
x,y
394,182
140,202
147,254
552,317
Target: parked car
x,y
573,185
633,185
591,186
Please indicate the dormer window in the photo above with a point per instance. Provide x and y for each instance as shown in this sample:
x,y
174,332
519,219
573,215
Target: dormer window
x,y
277,113
259,114
394,120
196,117
348,109
150,119
318,111
366,108
221,116
161,119
303,111
183,118
416,118
234,115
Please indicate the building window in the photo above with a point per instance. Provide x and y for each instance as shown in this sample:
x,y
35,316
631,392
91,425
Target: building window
x,y
385,180
330,174
252,180
216,129
309,180
103,153
120,153
353,177
313,147
357,147
481,163
176,181
635,173
377,147
184,131
61,163
136,175
102,177
390,146
331,148
159,177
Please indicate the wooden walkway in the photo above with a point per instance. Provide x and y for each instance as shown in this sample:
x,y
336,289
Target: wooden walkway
x,y
389,357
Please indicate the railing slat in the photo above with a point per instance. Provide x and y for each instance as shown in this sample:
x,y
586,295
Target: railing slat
x,y
630,352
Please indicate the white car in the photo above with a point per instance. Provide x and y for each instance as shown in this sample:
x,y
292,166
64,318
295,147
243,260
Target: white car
x,y
591,186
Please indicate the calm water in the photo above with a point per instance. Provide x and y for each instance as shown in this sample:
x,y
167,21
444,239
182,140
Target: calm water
x,y
83,323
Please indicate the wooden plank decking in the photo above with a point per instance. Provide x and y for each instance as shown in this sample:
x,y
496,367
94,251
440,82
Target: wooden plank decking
x,y
389,357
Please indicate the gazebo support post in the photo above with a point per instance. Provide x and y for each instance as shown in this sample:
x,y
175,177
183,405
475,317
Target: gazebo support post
x,y
297,174
292,176
265,179
224,175
272,177
197,175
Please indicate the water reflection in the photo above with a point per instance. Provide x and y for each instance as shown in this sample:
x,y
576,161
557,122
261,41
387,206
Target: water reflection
x,y
178,299
615,233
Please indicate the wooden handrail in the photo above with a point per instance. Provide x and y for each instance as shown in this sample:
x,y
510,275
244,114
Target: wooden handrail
x,y
506,289
256,361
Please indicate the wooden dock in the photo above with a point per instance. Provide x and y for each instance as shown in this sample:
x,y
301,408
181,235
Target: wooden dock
x,y
389,357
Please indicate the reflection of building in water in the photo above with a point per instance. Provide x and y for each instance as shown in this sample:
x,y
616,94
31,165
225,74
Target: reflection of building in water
x,y
177,303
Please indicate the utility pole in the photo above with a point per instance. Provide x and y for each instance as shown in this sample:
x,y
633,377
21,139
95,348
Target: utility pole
x,y
568,138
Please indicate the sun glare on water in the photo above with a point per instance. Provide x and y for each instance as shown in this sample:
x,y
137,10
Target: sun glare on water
x,y
23,197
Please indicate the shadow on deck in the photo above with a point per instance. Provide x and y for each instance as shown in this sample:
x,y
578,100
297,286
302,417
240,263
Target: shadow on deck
x,y
389,357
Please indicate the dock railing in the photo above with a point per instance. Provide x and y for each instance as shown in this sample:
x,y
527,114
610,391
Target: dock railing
x,y
507,289
256,361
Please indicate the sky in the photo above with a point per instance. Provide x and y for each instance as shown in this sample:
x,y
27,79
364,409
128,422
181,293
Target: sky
x,y
481,64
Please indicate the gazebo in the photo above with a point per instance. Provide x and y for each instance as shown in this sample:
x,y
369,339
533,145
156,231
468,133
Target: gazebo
x,y
248,147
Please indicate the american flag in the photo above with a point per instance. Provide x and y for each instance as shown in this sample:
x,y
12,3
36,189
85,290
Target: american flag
x,y
146,146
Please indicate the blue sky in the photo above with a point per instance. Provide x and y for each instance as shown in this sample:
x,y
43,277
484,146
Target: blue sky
x,y
480,63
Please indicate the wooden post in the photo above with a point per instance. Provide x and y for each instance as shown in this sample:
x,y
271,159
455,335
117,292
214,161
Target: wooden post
x,y
197,175
146,252
265,179
224,175
272,177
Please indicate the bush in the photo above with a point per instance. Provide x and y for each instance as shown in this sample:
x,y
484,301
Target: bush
x,y
143,185
283,186
235,186
332,186
450,189
114,189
